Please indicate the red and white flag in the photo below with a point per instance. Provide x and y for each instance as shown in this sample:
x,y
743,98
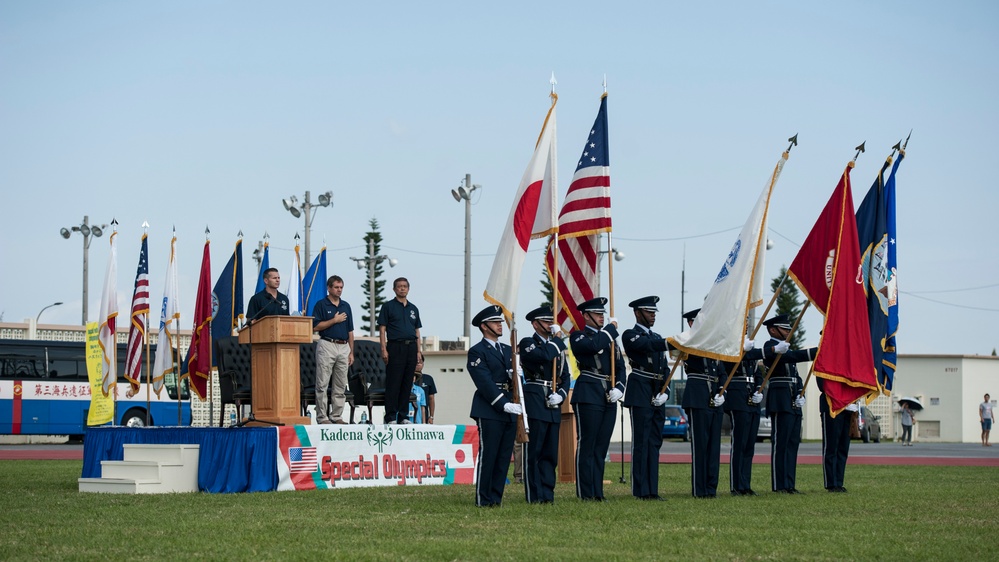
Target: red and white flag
x,y
108,323
140,314
586,213
532,216
828,270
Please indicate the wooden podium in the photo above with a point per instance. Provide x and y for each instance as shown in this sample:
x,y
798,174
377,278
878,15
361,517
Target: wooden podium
x,y
274,347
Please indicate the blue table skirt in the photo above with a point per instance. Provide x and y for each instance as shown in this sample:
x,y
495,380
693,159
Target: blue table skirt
x,y
230,459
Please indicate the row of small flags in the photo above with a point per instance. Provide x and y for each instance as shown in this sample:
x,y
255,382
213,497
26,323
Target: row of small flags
x,y
846,267
218,311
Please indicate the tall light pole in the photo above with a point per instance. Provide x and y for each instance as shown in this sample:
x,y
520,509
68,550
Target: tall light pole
x,y
44,309
465,193
306,210
371,261
88,231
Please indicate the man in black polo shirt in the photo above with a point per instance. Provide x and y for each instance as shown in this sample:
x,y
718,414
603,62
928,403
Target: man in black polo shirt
x,y
399,330
332,318
268,302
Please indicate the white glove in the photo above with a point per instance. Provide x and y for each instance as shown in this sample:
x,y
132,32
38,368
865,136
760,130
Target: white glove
x,y
659,400
555,329
513,408
799,401
554,399
718,400
852,407
757,397
614,395
782,347
611,320
748,345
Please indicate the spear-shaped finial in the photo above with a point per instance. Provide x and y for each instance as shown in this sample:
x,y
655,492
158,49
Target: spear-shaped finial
x,y
266,236
296,237
553,81
114,224
794,142
859,149
240,234
605,84
145,225
906,143
207,232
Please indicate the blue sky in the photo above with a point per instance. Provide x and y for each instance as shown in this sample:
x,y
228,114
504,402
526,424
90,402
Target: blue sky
x,y
195,114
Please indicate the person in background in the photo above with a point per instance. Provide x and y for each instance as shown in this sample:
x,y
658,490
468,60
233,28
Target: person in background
x,y
987,417
426,382
399,332
270,301
416,409
835,441
907,419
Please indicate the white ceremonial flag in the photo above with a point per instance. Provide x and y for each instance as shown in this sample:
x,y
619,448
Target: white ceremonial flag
x,y
532,216
107,337
169,322
719,330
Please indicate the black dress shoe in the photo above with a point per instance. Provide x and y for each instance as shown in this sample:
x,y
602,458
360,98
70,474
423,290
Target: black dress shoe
x,y
782,491
749,492
841,490
655,498
794,491
736,493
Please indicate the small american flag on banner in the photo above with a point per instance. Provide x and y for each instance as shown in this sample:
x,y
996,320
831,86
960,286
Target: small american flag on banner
x,y
302,459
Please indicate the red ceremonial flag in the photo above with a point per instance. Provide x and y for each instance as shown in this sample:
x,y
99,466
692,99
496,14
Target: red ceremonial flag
x,y
827,268
199,355
586,213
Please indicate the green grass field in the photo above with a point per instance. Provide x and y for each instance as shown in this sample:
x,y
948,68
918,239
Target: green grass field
x,y
891,513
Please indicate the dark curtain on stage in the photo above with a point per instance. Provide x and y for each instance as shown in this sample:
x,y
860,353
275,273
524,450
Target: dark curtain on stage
x,y
230,459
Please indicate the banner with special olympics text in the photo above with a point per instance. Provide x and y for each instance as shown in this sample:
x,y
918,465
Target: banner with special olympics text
x,y
314,457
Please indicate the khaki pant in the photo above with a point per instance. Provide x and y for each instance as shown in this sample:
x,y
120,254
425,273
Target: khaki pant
x,y
331,366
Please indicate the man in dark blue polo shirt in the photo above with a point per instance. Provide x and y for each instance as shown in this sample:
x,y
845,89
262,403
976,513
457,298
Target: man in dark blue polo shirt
x,y
399,330
332,318
270,301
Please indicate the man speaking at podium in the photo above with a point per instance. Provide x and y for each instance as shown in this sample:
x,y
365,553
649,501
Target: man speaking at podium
x,y
268,302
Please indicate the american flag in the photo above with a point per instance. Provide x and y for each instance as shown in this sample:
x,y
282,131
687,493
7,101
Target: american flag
x,y
302,459
140,312
586,213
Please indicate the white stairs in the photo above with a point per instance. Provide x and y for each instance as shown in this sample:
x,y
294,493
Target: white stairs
x,y
148,469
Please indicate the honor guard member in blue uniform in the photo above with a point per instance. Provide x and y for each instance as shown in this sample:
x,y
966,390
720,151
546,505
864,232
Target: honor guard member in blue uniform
x,y
490,364
835,441
784,401
742,403
703,405
541,355
643,397
594,400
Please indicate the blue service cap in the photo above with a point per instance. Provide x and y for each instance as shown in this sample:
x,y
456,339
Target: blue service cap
x,y
645,303
593,305
491,313
541,313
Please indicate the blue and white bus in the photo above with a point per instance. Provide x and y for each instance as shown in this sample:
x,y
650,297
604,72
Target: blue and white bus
x,y
44,390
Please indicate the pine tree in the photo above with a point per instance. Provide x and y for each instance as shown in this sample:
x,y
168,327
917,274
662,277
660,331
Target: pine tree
x,y
376,236
790,302
546,288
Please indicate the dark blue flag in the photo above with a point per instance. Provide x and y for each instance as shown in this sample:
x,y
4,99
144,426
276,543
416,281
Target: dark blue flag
x,y
886,376
227,297
265,264
314,283
873,236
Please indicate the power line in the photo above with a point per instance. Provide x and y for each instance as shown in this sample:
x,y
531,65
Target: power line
x,y
954,290
951,304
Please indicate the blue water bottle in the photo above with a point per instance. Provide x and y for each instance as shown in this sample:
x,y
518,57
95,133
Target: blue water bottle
x,y
364,417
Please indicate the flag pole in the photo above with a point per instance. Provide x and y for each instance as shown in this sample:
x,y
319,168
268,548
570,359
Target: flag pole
x,y
145,334
682,357
613,351
518,390
773,365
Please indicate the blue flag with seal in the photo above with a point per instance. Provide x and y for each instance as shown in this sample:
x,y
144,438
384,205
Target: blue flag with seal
x,y
227,297
314,284
873,236
886,374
